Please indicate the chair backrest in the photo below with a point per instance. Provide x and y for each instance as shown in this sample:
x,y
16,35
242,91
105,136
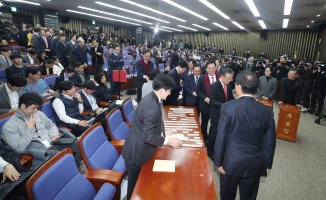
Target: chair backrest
x,y
50,80
4,118
59,178
116,127
3,75
96,151
48,110
128,110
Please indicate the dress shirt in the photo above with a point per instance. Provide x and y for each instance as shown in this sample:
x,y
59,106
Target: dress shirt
x,y
60,110
3,163
210,79
57,69
13,96
91,100
31,60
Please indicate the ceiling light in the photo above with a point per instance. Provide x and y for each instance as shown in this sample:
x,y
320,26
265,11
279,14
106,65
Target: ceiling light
x,y
1,4
22,1
262,24
253,8
172,28
13,9
152,10
308,26
155,30
312,21
106,13
82,13
287,7
219,25
285,23
160,29
214,8
93,22
184,9
318,15
237,24
201,27
187,28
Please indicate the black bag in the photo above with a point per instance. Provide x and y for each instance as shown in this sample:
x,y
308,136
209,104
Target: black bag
x,y
10,156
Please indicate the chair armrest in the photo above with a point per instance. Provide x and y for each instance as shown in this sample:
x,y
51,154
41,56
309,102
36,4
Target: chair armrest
x,y
100,176
104,104
87,113
115,97
26,160
118,144
129,124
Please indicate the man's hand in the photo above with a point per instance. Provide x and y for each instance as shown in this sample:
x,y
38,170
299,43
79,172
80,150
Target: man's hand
x,y
85,65
280,102
207,100
13,110
51,92
194,93
174,142
146,77
83,123
77,95
265,98
11,173
31,121
55,137
221,170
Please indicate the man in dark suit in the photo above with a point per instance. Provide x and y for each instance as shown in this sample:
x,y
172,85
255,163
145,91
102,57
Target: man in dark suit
x,y
147,131
30,58
245,142
22,35
174,58
97,57
219,93
47,67
81,54
190,97
176,75
70,50
44,43
61,50
5,61
79,76
115,63
10,93
205,81
144,67
291,89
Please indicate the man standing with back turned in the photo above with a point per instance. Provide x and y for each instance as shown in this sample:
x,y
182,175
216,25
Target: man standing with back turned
x,y
147,131
245,142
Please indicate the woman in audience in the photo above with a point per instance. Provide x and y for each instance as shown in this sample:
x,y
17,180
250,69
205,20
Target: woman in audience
x,y
35,84
57,67
102,92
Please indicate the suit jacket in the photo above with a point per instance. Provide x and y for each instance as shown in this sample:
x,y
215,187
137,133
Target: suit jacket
x,y
71,53
3,63
141,72
145,133
96,58
174,60
77,80
81,54
86,103
245,142
26,60
267,88
291,91
115,62
203,92
217,98
41,44
43,70
5,104
61,52
189,86
177,88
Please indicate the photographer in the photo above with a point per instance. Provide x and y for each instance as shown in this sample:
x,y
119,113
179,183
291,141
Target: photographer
x,y
318,90
308,78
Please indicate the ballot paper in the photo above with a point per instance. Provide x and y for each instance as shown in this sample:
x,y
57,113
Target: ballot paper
x,y
179,136
191,145
164,166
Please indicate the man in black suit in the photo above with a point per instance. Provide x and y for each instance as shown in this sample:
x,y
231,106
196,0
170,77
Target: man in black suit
x,y
205,81
190,97
245,142
79,76
61,50
176,75
97,57
115,61
22,36
81,54
147,131
219,92
291,89
174,58
70,50
44,43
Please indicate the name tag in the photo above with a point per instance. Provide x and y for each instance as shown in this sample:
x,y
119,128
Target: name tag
x,y
46,143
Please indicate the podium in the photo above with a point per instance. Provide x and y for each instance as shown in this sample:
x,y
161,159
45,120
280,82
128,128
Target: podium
x,y
288,121
119,76
266,102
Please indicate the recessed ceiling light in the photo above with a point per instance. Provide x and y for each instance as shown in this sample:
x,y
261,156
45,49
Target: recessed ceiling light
x,y
252,7
23,1
118,20
285,23
161,29
262,24
214,8
219,25
130,11
308,26
172,28
106,13
318,15
238,25
201,27
312,21
153,10
187,28
184,9
287,7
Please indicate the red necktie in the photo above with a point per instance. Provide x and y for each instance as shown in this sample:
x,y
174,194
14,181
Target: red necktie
x,y
212,77
225,92
46,42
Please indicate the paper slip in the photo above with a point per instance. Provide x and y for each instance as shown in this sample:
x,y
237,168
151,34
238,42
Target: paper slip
x,y
164,166
179,136
118,102
192,134
194,140
191,145
197,138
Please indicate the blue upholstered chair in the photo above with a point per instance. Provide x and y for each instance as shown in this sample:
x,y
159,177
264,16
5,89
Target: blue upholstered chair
x,y
47,109
116,127
3,75
128,111
50,80
59,178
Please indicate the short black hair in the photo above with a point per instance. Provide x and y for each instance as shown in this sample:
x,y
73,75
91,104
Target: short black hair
x,y
98,78
32,51
15,55
192,61
145,51
153,74
32,70
5,49
210,62
78,64
65,85
248,81
293,69
163,81
227,71
70,69
30,98
89,85
49,61
17,80
183,64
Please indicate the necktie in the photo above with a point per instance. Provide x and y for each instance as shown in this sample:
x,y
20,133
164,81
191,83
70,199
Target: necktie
x,y
196,80
7,61
162,122
225,92
46,42
212,77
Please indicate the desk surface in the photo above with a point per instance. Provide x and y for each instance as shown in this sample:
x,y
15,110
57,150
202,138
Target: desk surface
x,y
192,178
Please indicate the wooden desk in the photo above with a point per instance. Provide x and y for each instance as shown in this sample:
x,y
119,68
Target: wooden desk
x,y
192,178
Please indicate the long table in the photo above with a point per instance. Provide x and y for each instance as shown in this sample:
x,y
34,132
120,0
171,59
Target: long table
x,y
192,178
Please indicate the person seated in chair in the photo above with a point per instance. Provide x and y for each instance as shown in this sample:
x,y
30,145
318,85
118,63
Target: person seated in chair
x,y
79,76
69,107
17,67
47,67
29,130
65,75
8,170
36,84
102,92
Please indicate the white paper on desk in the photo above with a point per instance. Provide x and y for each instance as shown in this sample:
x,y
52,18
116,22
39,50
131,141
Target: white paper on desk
x,y
192,145
178,136
118,102
164,166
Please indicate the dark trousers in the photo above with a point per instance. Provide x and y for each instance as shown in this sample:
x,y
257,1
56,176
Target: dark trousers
x,y
306,97
97,69
115,86
317,96
204,124
248,187
212,137
133,173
